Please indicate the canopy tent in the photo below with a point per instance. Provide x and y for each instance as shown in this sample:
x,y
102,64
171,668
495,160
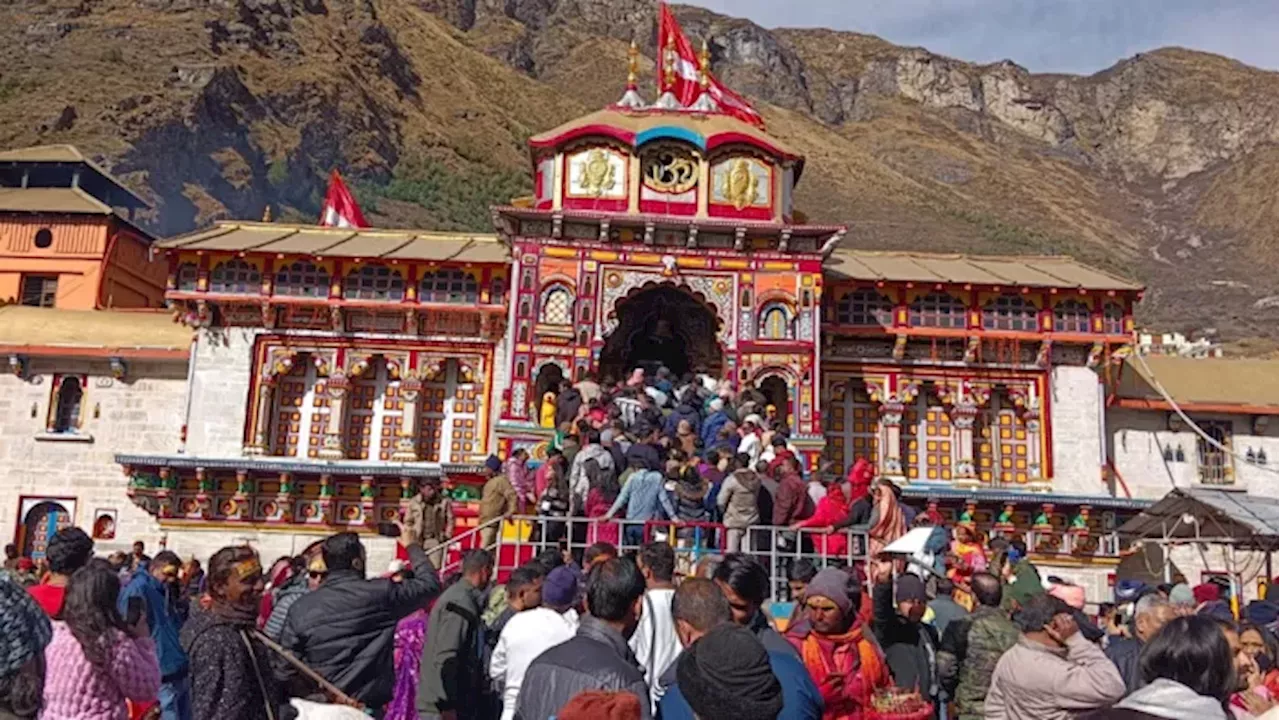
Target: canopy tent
x,y
1246,522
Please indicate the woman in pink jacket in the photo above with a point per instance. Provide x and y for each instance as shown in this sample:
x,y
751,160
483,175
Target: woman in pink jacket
x,y
831,509
95,661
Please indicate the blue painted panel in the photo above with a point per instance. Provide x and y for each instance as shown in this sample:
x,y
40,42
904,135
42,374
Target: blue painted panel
x,y
671,132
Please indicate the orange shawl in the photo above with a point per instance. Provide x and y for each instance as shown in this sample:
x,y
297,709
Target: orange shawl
x,y
890,525
871,669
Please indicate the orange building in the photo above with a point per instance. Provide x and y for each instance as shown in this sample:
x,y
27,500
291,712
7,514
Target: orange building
x,y
67,237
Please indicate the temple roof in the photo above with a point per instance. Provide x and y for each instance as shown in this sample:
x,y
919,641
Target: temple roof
x,y
365,243
1248,384
52,200
62,155
45,331
1020,271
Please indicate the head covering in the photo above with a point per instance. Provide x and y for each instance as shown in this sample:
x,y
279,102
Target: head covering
x,y
24,628
606,436
644,455
753,419
1072,595
716,405
910,587
493,463
831,584
729,668
1206,592
561,587
1025,585
860,476
26,564
1181,594
778,440
317,564
1130,590
601,705
637,378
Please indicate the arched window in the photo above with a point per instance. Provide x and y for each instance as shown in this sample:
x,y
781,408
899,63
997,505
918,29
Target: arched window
x,y
865,307
1009,312
374,282
498,291
1112,319
1071,316
235,276
66,417
557,306
775,322
187,277
937,310
449,286
303,279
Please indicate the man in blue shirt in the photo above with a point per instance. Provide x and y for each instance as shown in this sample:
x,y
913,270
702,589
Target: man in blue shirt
x,y
150,583
644,496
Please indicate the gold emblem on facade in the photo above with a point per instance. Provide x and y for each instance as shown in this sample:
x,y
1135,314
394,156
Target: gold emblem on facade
x,y
738,184
596,174
670,170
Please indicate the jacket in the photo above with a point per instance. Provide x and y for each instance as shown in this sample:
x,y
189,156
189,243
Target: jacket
x,y
1163,699
597,658
521,479
286,596
946,611
738,499
429,520
345,629
75,688
970,649
230,680
683,411
792,502
578,483
711,428
164,624
691,505
770,638
453,659
800,697
910,648
644,497
568,403
1123,652
827,512
1035,682
497,498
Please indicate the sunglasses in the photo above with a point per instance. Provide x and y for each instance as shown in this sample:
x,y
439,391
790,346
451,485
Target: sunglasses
x,y
317,575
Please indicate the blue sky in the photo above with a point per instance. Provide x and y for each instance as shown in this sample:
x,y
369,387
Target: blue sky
x,y
1076,36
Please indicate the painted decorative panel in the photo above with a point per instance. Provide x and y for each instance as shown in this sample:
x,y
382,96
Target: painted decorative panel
x,y
597,173
741,182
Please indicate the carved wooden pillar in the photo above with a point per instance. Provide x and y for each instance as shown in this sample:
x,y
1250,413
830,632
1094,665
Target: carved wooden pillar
x,y
261,444
891,440
407,443
963,415
331,447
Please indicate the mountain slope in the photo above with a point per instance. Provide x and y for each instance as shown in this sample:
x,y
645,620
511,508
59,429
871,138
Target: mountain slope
x,y
1161,167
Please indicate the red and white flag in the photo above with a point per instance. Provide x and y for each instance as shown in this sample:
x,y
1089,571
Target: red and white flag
x,y
686,80
340,208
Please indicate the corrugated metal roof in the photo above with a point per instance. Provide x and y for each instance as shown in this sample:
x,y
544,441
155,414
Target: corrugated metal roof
x,y
1217,381
1215,515
1028,271
98,329
52,200
365,243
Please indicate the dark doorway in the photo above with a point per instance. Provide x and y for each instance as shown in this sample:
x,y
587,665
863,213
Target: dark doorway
x,y
774,388
662,326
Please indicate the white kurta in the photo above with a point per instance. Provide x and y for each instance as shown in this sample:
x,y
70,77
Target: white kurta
x,y
526,635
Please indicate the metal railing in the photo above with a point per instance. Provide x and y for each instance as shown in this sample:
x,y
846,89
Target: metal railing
x,y
520,538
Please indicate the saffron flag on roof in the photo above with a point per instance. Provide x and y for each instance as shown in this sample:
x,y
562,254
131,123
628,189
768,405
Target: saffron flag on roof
x,y
340,208
686,77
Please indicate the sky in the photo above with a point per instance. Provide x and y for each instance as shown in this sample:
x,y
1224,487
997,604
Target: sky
x,y
1072,36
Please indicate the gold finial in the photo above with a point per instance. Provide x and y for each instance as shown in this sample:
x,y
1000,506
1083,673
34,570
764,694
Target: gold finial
x,y
633,64
704,64
669,63
266,214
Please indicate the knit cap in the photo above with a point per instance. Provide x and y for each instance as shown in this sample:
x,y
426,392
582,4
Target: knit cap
x,y
1206,592
24,628
831,584
1181,594
729,668
493,463
561,587
910,587
601,705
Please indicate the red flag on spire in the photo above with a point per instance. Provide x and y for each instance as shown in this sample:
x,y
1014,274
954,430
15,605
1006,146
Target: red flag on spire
x,y
686,79
340,208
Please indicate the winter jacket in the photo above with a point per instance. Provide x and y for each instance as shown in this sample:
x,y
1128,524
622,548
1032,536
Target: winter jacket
x,y
711,428
568,403
683,411
454,657
738,499
691,500
1124,652
946,611
578,483
800,697
597,658
1035,682
1163,699
431,521
497,498
286,596
791,503
521,478
588,389
345,629
910,648
827,512
74,689
163,622
231,668
970,649
644,497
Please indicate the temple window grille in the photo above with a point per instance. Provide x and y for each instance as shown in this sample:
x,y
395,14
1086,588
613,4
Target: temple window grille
x,y
937,310
188,277
1071,316
66,417
1009,312
929,439
776,322
39,290
374,282
449,286
865,307
557,306
301,411
1214,463
235,277
1112,319
302,279
1001,452
851,423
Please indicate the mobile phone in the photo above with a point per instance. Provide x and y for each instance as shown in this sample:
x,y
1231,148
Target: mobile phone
x,y
388,529
133,611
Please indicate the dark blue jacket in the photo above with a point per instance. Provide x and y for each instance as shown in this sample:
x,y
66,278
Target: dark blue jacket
x,y
800,697
711,428
163,622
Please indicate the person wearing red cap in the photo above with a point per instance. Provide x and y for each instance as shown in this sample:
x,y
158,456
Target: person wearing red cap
x,y
860,478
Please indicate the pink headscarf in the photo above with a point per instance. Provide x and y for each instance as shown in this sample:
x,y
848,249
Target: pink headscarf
x,y
860,477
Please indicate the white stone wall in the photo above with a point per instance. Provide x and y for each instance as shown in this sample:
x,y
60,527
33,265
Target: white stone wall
x,y
1074,408
141,414
223,366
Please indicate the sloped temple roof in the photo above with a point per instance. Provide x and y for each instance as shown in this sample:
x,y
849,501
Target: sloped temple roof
x,y
30,330
1020,271
1240,383
368,244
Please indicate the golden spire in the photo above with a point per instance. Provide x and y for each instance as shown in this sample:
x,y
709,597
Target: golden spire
x,y
633,64
704,65
266,214
669,64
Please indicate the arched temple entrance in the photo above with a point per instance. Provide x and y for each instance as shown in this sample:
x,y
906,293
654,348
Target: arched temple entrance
x,y
662,325
39,526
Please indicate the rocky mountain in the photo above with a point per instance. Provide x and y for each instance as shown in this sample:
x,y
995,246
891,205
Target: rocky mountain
x,y
1162,167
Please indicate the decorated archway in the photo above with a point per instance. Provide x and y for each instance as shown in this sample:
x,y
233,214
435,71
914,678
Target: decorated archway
x,y
663,325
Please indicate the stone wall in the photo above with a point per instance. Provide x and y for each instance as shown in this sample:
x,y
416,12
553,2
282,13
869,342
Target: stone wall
x,y
222,368
141,414
1074,408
